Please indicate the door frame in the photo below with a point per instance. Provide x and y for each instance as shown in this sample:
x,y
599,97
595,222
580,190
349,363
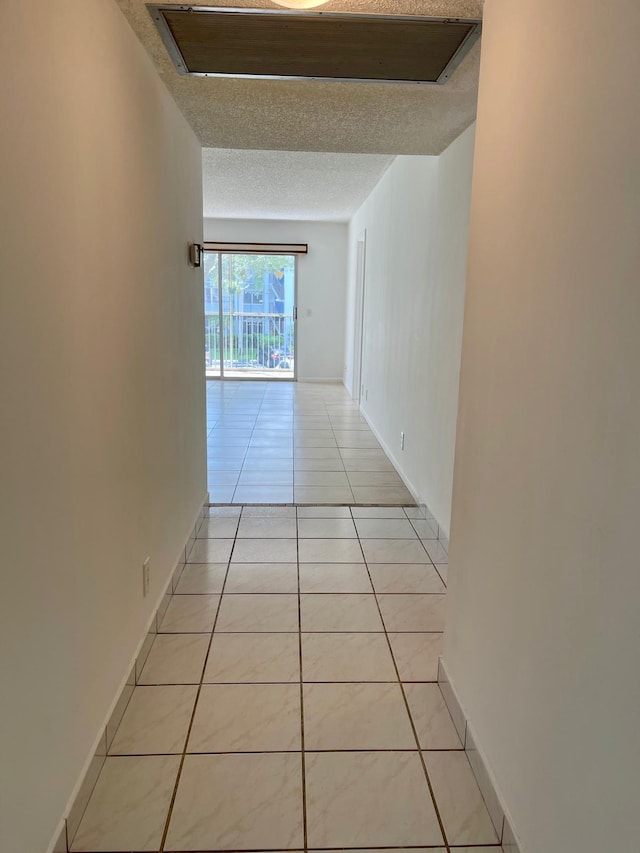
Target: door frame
x,y
358,319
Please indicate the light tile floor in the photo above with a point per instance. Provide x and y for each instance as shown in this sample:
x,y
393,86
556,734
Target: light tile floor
x,y
287,442
289,701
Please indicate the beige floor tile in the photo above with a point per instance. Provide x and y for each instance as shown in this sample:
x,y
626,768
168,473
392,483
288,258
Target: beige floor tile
x,y
395,512
330,551
405,578
262,578
416,655
247,718
464,814
258,613
376,465
301,434
201,578
222,456
431,718
267,528
260,454
175,659
302,440
223,512
253,658
326,528
210,551
356,438
325,479
394,551
190,614
156,721
323,494
220,494
324,512
381,494
231,432
268,512
334,577
336,613
413,613
387,479
364,454
318,453
218,528
263,494
356,716
265,439
385,528
369,799
265,551
346,657
277,475
129,805
304,465
238,802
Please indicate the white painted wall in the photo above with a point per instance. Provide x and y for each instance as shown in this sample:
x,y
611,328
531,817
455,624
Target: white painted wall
x,y
416,223
101,336
543,633
322,285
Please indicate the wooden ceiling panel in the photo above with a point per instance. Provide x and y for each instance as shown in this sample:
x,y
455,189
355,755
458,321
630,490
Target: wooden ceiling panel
x,y
219,42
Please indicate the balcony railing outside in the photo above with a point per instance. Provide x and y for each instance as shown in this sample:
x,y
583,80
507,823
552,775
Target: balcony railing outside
x,y
254,343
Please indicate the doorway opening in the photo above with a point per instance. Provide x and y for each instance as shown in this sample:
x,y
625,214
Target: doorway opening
x,y
250,315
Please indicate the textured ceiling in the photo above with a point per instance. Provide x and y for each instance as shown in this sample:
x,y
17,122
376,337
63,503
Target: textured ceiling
x,y
240,184
293,115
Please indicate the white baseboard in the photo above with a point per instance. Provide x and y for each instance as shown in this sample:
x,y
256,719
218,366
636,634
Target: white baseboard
x,y
426,512
405,479
481,770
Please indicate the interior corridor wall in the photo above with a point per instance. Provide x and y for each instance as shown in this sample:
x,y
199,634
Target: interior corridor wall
x,y
103,454
416,223
322,285
543,630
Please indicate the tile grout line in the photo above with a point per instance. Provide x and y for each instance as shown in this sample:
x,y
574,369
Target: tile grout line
x,y
302,743
244,458
406,703
342,462
195,705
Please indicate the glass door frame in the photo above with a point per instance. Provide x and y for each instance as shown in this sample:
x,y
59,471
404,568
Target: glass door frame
x,y
294,320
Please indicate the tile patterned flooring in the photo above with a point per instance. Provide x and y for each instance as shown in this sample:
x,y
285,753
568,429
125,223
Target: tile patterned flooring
x,y
286,442
289,701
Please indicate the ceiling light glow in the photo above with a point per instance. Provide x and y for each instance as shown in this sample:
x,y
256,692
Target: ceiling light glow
x,y
301,4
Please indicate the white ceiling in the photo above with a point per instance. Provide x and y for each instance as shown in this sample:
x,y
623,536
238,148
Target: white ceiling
x,y
293,115
245,184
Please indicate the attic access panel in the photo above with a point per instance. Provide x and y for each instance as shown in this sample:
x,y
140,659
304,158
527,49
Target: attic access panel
x,y
205,41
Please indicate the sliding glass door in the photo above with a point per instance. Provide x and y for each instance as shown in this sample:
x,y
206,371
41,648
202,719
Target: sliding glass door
x,y
249,315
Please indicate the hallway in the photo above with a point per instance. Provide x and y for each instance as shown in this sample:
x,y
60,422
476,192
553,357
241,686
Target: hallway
x,y
286,442
289,699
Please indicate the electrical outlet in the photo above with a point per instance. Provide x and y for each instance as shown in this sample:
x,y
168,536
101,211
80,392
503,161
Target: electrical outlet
x,y
401,441
146,576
